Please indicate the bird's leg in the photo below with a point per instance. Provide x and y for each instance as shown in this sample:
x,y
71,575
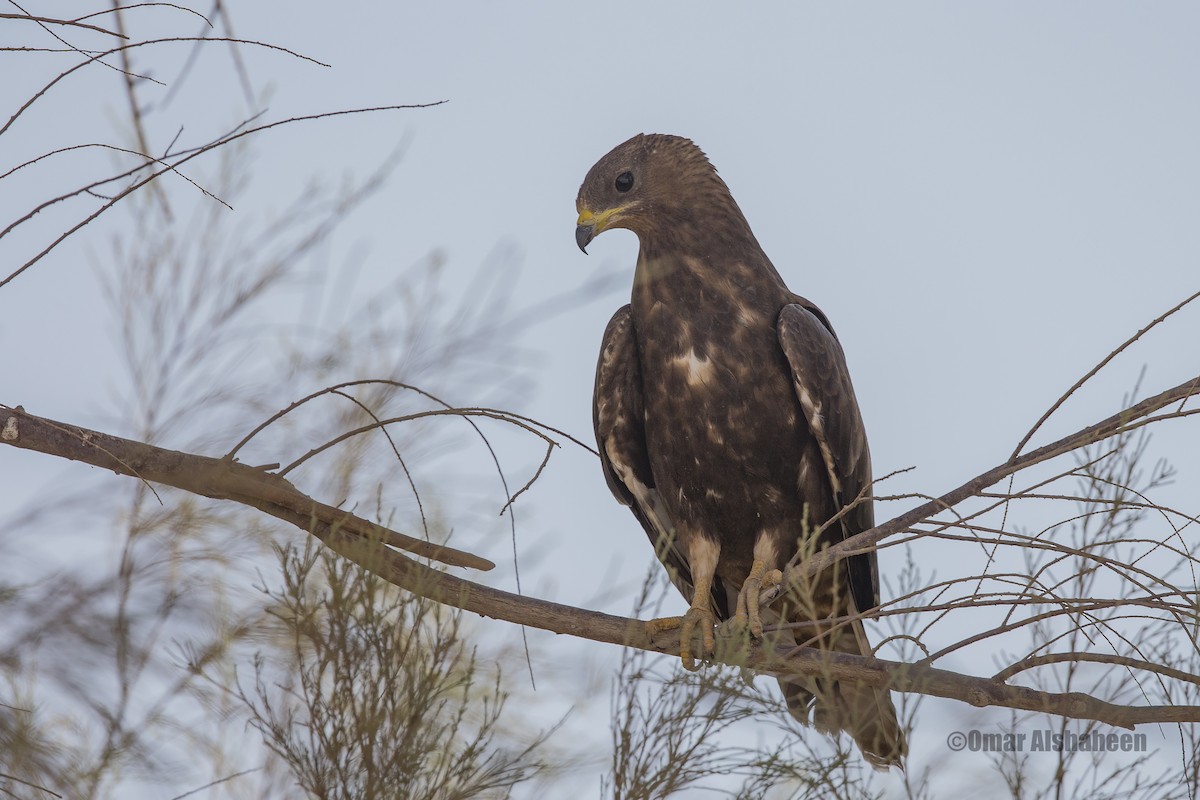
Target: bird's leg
x,y
703,554
699,614
747,612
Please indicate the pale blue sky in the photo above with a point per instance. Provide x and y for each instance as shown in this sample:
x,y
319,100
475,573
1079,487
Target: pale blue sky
x,y
984,198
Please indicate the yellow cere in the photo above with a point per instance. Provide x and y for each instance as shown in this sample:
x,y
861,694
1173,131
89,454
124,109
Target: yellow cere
x,y
601,221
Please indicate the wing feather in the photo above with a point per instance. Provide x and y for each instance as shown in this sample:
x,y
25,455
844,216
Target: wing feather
x,y
822,383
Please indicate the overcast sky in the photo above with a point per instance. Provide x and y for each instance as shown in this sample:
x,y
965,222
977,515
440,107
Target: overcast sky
x,y
984,203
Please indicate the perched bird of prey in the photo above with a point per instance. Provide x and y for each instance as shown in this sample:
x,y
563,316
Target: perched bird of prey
x,y
726,420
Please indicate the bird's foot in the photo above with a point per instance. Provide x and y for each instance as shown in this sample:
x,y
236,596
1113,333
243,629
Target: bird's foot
x,y
747,614
696,615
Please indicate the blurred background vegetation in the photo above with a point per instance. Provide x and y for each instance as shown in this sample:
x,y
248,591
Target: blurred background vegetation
x,y
157,644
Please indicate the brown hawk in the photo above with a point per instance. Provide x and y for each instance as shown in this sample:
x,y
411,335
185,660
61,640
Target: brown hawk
x,y
726,420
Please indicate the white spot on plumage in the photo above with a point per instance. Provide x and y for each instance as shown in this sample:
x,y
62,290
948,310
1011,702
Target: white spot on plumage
x,y
703,555
624,474
649,500
816,423
698,370
765,550
827,454
812,410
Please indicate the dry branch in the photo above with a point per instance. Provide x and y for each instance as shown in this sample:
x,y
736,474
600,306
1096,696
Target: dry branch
x,y
173,166
74,23
1123,421
352,536
221,479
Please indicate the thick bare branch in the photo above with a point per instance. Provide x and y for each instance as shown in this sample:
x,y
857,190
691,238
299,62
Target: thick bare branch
x,y
211,477
356,539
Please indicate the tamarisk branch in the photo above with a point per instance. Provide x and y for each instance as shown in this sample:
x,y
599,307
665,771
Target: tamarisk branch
x,y
360,540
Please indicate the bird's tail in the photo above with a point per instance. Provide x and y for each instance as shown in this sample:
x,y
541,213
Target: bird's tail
x,y
864,712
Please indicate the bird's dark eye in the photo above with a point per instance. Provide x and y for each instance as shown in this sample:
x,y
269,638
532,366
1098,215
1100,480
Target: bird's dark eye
x,y
624,182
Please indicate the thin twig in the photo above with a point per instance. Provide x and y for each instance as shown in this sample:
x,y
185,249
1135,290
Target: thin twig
x,y
1090,373
1107,428
68,22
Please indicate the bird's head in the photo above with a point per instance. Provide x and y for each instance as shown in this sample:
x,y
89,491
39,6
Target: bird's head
x,y
645,185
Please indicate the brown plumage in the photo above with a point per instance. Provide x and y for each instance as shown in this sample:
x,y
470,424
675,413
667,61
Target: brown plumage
x,y
726,420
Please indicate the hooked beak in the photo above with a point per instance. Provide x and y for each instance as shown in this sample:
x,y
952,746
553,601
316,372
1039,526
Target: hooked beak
x,y
584,234
586,229
590,225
